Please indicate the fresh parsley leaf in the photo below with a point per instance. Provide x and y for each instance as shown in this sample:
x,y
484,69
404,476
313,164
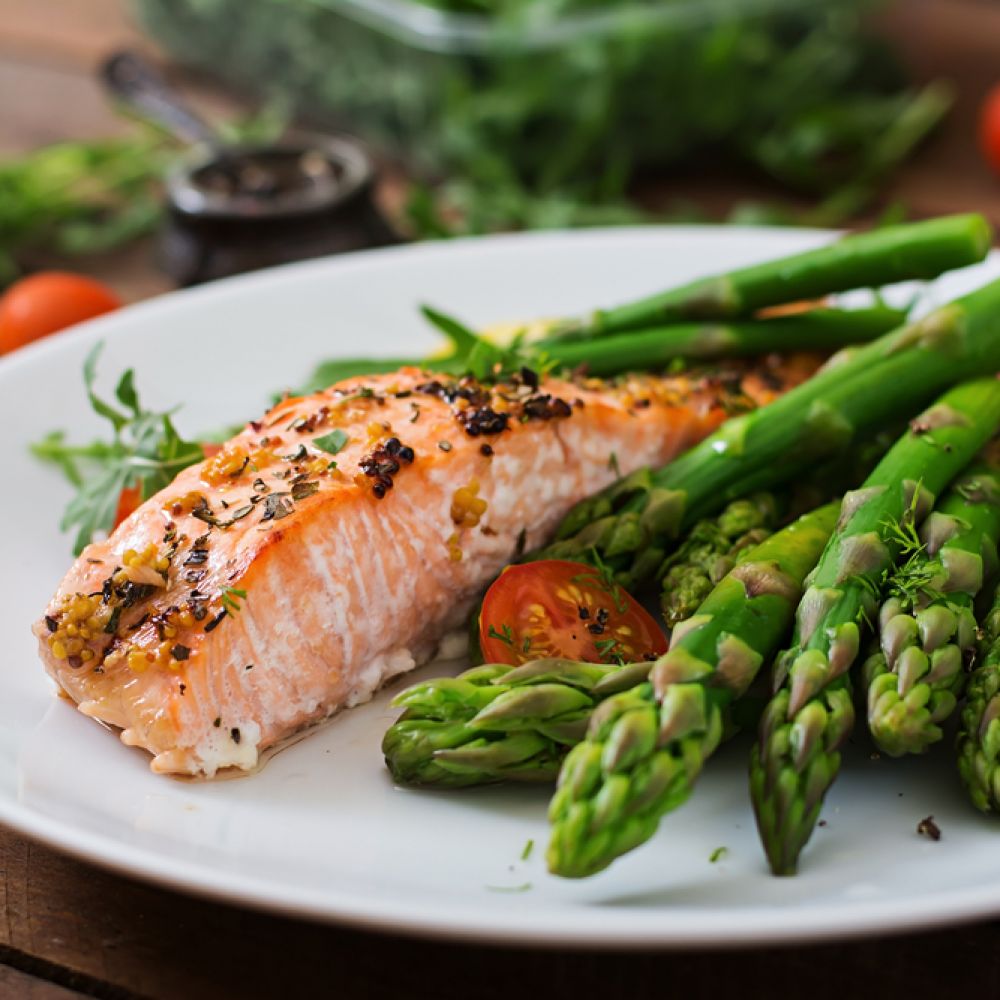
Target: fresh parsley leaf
x,y
331,443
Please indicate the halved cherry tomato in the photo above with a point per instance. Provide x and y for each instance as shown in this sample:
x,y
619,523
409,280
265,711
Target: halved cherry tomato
x,y
49,301
128,501
565,609
989,128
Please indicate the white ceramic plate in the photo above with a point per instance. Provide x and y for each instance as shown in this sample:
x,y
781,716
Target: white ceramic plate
x,y
321,831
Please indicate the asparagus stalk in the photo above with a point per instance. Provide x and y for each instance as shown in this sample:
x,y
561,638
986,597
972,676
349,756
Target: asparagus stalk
x,y
497,722
713,546
868,260
710,551
796,758
816,330
630,524
978,743
646,746
927,628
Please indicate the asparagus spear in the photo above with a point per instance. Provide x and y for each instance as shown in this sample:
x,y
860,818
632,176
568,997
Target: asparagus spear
x,y
646,747
868,260
710,551
629,524
796,758
497,722
927,628
713,546
978,743
816,330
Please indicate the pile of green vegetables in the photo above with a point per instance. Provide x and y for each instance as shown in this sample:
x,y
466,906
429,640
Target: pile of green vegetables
x,y
878,600
540,113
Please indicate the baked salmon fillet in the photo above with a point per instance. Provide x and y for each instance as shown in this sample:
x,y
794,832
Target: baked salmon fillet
x,y
331,546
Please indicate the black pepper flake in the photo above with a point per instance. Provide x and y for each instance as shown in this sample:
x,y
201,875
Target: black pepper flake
x,y
477,420
197,556
180,652
255,426
217,722
822,822
299,455
276,506
928,828
215,622
486,450
50,623
444,445
301,490
182,688
249,666
583,612
235,734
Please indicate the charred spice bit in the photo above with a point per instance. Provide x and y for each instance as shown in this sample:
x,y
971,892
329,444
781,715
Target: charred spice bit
x,y
444,445
384,463
277,506
234,734
486,450
217,722
822,822
928,828
216,621
180,652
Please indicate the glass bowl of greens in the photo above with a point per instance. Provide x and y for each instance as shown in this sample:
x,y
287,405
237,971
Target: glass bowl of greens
x,y
557,95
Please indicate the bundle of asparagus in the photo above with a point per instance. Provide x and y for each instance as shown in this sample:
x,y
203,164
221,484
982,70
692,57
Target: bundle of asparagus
x,y
797,756
926,625
628,741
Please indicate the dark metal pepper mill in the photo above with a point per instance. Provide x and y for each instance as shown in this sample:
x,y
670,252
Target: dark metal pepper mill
x,y
237,208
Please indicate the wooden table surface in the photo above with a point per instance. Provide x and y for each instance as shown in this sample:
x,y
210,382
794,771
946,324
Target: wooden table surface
x,y
69,929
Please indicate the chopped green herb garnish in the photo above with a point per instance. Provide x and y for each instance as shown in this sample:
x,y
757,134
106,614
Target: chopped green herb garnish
x,y
613,464
231,597
718,854
331,443
528,848
524,887
506,636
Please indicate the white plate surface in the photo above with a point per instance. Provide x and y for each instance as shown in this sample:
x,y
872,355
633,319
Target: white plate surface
x,y
321,831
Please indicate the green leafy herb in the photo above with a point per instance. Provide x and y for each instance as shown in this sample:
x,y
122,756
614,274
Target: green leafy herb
x,y
718,854
333,442
231,597
528,848
506,636
145,451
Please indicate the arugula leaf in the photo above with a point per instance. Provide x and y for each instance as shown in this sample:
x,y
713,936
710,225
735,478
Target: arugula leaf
x,y
145,452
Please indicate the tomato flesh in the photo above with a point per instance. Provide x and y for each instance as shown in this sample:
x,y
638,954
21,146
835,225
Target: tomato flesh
x,y
989,128
47,302
564,609
128,501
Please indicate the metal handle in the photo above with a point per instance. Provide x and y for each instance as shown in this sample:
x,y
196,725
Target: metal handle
x,y
134,80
